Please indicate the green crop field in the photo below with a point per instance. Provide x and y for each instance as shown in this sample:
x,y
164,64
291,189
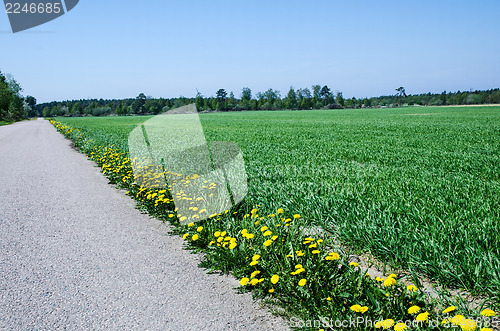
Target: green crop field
x,y
416,187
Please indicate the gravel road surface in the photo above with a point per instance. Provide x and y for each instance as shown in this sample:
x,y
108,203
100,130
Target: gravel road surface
x,y
76,254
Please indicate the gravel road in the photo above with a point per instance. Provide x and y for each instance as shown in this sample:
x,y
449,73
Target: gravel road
x,y
76,254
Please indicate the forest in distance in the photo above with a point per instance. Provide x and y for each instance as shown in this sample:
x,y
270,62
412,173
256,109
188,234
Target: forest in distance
x,y
14,106
296,99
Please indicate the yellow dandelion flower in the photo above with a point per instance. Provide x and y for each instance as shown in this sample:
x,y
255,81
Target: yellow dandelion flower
x,y
354,264
329,299
486,329
378,324
220,239
359,309
411,288
315,252
299,253
488,312
468,324
268,242
389,281
271,290
332,256
232,246
264,228
267,233
255,257
355,308
387,324
250,236
217,234
244,281
185,236
288,220
413,310
378,279
275,279
255,273
280,211
457,319
183,218
400,327
195,237
244,231
257,222
199,229
313,245
254,282
254,263
449,309
296,216
223,233
302,282
422,317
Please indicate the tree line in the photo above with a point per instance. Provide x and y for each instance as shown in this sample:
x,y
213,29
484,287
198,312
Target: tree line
x,y
400,98
13,106
318,97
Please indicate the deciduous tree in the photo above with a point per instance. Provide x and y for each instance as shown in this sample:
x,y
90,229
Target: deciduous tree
x,y
326,94
221,96
291,99
246,94
339,99
200,104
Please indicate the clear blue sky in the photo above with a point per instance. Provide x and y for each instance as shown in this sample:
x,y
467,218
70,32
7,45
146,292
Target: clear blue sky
x,y
117,49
